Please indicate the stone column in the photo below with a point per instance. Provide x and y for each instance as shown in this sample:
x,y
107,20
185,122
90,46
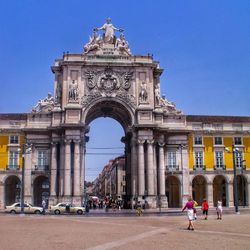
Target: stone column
x,y
150,168
161,171
61,170
82,166
185,174
67,169
53,170
2,199
77,168
27,176
134,171
141,168
210,194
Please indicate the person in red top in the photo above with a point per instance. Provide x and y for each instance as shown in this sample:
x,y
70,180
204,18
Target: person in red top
x,y
204,207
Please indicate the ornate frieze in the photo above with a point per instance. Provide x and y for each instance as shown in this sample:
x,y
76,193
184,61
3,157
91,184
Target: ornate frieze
x,y
108,83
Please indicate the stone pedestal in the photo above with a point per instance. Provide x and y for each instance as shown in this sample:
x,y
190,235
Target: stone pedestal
x,y
151,202
53,200
77,200
164,202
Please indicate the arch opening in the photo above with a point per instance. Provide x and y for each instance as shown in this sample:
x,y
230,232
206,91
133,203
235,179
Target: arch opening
x,y
12,187
41,190
220,190
173,191
199,185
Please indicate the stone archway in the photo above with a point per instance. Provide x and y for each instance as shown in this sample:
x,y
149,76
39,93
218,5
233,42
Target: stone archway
x,y
12,187
242,190
173,191
199,185
41,190
121,113
220,190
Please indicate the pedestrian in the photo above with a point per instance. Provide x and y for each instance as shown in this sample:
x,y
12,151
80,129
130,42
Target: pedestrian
x,y
195,210
219,209
190,213
204,208
44,206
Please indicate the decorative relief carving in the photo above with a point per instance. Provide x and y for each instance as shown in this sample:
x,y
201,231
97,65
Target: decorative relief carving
x,y
108,83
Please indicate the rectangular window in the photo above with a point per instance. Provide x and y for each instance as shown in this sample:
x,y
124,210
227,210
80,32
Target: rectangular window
x,y
218,140
198,140
219,159
238,159
13,139
237,141
42,158
171,159
13,159
198,159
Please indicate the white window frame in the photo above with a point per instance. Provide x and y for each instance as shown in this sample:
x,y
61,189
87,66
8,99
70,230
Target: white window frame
x,y
15,143
240,139
194,142
171,159
239,159
44,159
202,159
222,142
10,159
220,166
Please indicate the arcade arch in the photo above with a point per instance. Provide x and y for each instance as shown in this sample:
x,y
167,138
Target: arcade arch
x,y
220,190
41,190
12,186
173,191
199,185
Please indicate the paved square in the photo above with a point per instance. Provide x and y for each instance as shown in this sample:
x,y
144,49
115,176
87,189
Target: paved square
x,y
151,232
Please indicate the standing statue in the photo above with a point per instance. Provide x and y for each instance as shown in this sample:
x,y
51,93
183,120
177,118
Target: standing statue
x,y
157,95
143,94
122,45
109,31
73,91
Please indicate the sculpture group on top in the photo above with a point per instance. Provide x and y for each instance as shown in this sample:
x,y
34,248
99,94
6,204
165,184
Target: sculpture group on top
x,y
44,105
162,103
97,42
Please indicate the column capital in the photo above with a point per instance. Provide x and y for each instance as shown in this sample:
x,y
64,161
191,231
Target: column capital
x,y
151,141
77,141
161,144
140,141
67,141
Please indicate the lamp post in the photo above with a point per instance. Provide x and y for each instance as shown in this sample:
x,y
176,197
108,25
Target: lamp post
x,y
235,183
22,185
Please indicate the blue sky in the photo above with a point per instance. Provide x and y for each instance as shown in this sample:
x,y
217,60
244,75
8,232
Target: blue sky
x,y
203,46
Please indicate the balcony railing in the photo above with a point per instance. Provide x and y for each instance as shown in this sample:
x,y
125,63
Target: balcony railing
x,y
172,168
220,167
13,167
42,167
199,167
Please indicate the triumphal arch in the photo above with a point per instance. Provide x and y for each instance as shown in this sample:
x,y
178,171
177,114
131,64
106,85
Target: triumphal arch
x,y
107,80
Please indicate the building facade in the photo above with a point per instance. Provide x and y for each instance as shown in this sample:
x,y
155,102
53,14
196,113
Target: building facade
x,y
168,155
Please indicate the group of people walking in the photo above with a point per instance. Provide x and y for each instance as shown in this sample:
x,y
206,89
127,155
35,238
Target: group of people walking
x,y
191,207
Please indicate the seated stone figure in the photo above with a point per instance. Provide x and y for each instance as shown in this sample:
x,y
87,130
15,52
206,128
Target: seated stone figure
x,y
93,44
122,45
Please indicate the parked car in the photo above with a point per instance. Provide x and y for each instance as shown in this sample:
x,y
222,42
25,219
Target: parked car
x,y
28,209
62,208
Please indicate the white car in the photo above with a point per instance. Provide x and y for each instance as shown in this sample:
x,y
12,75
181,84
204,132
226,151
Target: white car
x,y
62,208
28,209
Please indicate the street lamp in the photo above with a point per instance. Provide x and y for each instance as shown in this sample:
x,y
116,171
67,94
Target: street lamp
x,y
235,183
